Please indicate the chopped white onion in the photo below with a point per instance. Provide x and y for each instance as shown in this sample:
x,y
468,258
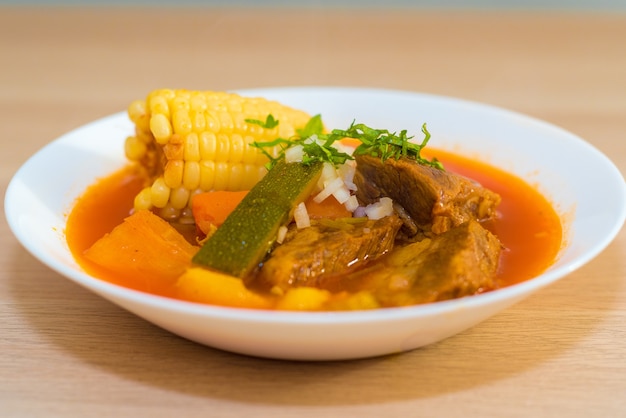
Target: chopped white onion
x,y
329,189
342,194
346,171
282,233
328,174
301,216
351,204
380,209
339,183
294,154
359,212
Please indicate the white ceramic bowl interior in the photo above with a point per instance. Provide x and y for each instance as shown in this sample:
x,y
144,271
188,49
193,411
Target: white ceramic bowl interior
x,y
574,175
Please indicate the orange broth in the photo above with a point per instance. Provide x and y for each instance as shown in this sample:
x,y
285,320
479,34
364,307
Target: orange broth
x,y
527,224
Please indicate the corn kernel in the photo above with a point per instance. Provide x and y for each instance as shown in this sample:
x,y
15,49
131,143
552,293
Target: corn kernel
x,y
222,147
236,177
136,110
239,123
252,174
179,197
169,213
158,106
181,122
191,175
143,200
197,102
207,174
207,142
256,131
159,193
236,148
134,148
222,176
226,122
212,122
198,121
144,136
250,153
251,108
234,105
160,128
180,103
192,148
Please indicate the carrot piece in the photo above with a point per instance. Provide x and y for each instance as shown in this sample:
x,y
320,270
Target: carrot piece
x,y
210,209
350,142
144,247
328,208
207,286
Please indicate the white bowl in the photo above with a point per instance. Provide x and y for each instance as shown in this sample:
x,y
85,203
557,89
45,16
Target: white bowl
x,y
574,175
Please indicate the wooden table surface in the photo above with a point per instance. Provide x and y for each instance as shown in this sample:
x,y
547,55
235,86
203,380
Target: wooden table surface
x,y
67,353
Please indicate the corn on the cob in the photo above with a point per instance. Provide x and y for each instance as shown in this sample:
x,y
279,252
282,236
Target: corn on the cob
x,y
194,141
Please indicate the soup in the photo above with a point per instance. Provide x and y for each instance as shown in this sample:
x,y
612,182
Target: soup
x,y
526,224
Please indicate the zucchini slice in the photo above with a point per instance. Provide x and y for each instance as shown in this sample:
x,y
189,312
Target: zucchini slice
x,y
244,239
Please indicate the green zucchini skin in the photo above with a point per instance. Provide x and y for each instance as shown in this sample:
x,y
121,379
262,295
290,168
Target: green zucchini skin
x,y
244,239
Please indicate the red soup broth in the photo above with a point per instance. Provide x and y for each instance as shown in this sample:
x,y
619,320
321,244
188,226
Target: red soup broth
x,y
527,224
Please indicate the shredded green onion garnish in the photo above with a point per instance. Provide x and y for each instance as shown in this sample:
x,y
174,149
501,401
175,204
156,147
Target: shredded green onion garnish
x,y
384,144
269,122
318,146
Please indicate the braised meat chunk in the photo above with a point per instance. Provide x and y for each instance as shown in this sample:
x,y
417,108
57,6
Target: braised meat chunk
x,y
459,262
323,249
436,200
448,253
